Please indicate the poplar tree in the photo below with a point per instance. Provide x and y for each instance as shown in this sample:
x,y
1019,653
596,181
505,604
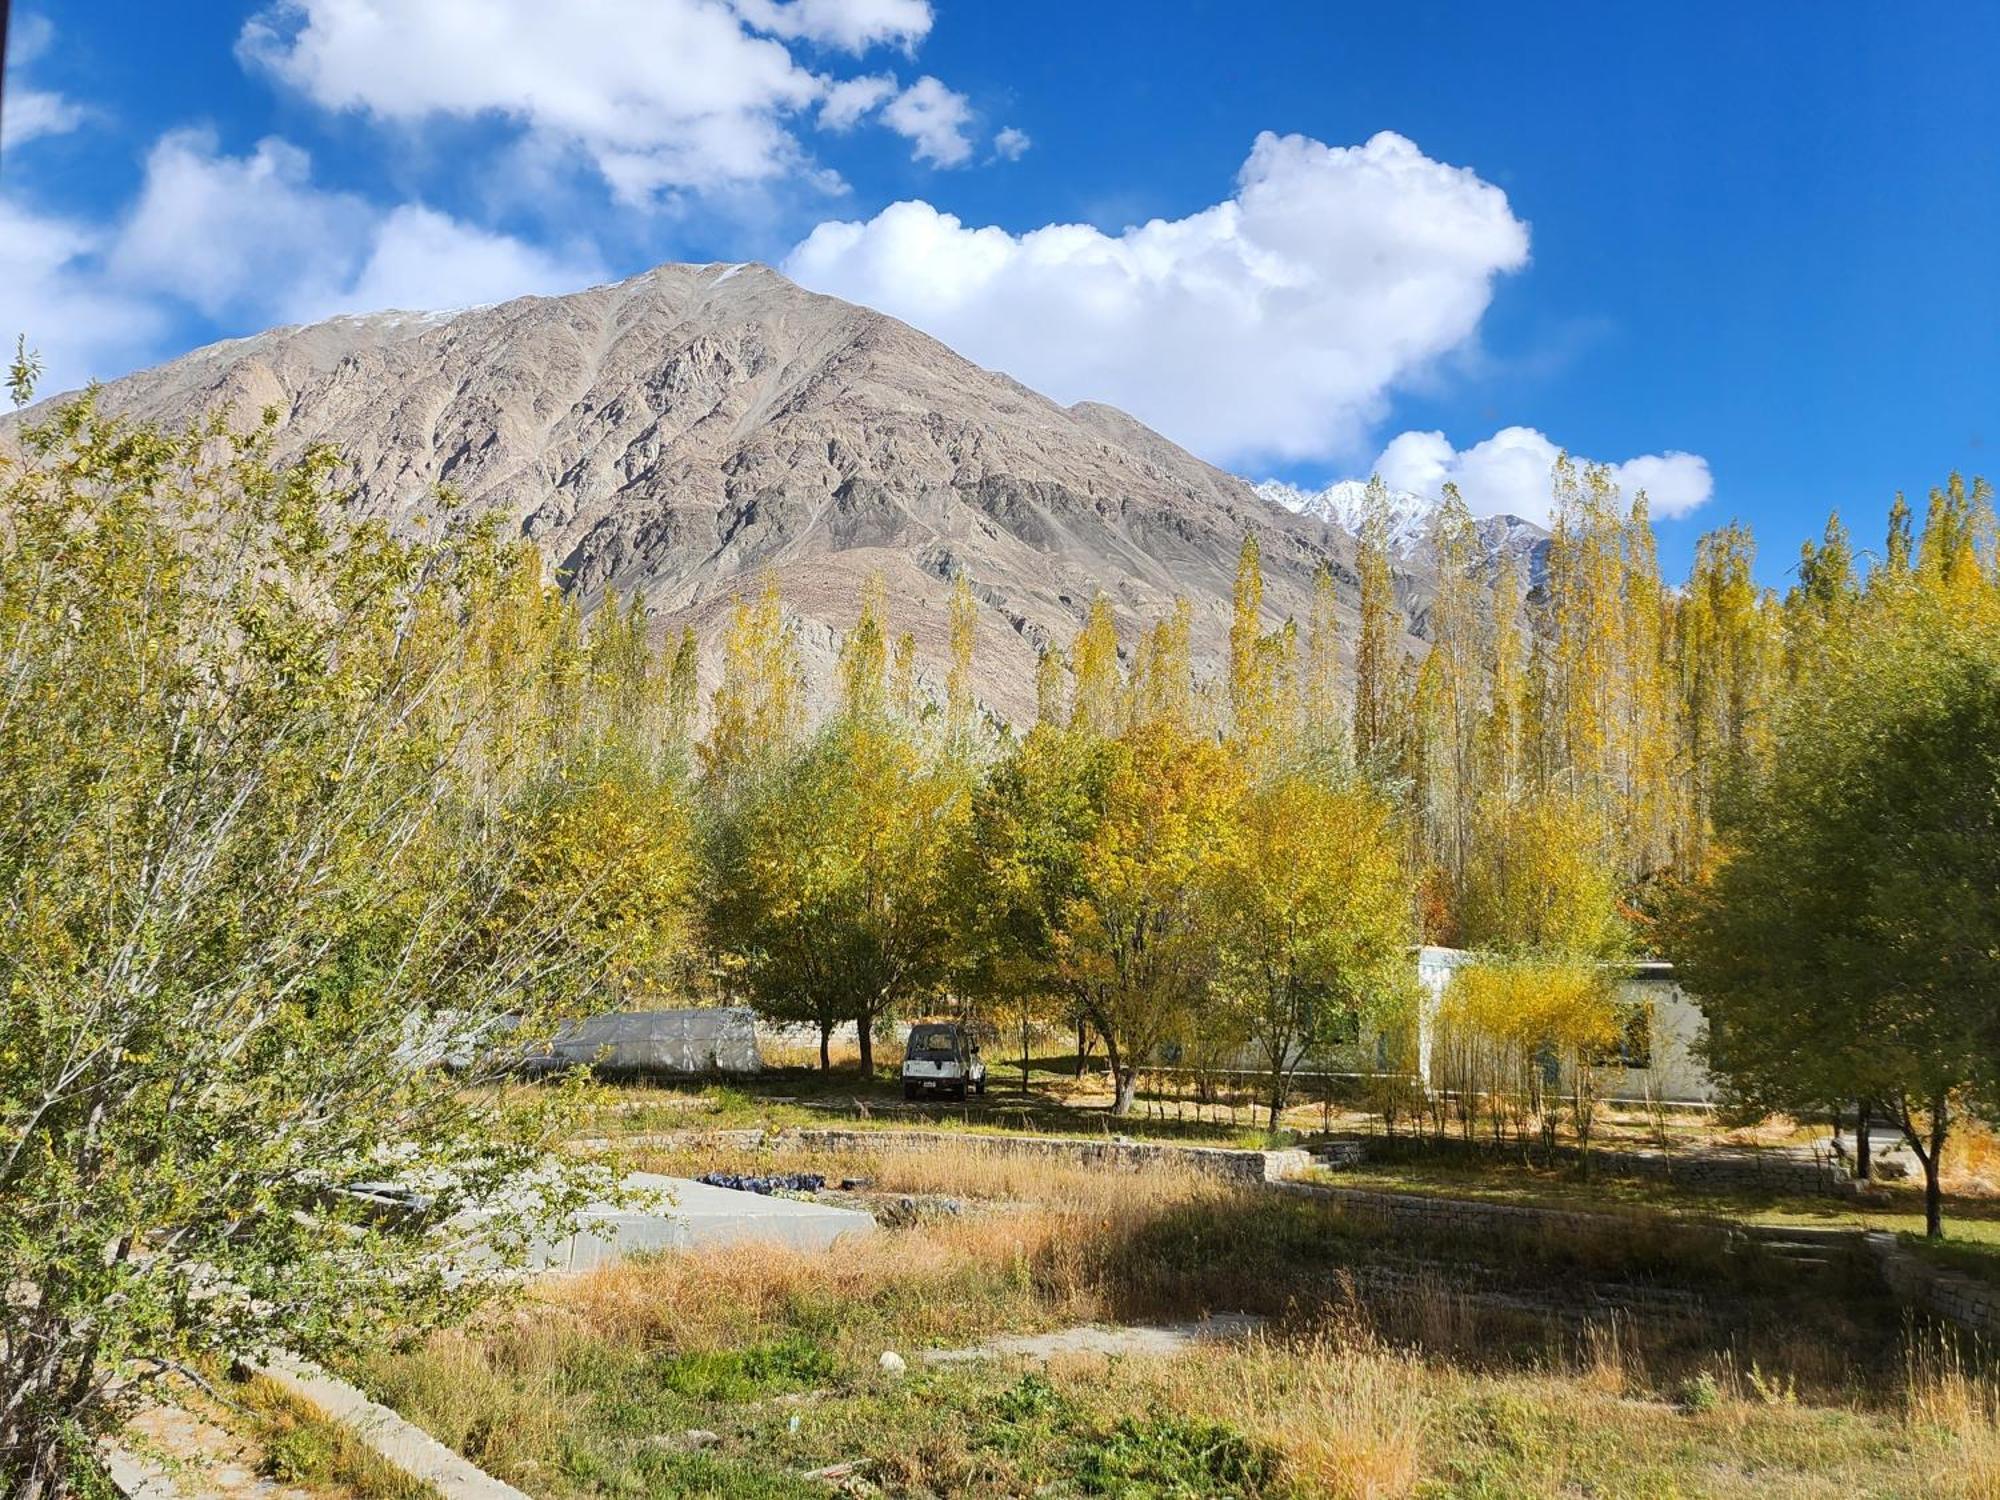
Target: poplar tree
x,y
1096,698
758,709
1377,659
960,705
1323,730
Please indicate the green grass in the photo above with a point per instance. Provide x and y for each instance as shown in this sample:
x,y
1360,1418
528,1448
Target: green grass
x,y
302,1447
1972,1224
794,1363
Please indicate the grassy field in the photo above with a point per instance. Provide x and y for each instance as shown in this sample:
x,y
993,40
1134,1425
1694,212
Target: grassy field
x,y
1061,1103
1392,1364
1972,1220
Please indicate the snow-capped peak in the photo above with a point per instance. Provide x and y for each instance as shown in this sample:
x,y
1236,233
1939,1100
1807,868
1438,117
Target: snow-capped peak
x,y
1344,504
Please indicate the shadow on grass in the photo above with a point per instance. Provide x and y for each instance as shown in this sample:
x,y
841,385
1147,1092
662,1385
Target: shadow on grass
x,y
846,1095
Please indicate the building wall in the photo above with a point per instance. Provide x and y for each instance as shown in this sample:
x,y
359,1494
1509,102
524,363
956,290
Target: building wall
x,y
1675,1076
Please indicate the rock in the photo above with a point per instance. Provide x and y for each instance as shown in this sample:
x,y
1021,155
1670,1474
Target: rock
x,y
701,1437
892,1363
899,1213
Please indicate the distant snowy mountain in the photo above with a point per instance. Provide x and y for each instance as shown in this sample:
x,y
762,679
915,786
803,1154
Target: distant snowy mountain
x,y
1344,502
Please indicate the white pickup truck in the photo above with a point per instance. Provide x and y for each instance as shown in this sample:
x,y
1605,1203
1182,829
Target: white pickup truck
x,y
941,1058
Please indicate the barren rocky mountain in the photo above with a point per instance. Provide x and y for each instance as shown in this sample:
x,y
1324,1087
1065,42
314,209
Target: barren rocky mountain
x,y
673,435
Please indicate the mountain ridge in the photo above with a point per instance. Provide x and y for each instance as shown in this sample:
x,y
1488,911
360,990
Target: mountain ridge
x,y
674,435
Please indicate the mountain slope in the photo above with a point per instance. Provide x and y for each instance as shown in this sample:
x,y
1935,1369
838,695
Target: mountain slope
x,y
673,435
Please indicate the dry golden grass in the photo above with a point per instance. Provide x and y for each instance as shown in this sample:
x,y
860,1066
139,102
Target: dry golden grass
x,y
1038,1265
1348,1414
1421,1391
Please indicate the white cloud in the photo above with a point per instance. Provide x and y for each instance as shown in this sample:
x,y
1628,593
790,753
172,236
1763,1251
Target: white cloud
x,y
52,290
236,235
936,119
1271,325
662,96
850,101
1509,473
252,238
27,113
419,258
1011,144
855,25
30,113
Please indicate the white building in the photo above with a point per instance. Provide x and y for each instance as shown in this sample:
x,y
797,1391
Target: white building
x,y
1657,1059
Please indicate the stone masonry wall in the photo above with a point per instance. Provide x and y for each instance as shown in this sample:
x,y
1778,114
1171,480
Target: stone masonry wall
x,y
1216,1161
1972,1304
1455,1215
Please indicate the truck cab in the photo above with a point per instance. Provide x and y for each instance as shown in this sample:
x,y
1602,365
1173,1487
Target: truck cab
x,y
941,1058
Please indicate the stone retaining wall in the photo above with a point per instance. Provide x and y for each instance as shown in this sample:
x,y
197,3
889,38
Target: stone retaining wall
x,y
1475,1217
1971,1303
1225,1162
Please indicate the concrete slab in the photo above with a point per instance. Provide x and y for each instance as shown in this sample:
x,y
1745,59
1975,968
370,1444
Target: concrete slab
x,y
694,1216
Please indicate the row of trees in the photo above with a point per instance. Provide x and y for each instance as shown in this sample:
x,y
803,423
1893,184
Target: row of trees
x,y
1119,864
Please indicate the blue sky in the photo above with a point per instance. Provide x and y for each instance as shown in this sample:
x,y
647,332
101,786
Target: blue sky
x,y
1751,253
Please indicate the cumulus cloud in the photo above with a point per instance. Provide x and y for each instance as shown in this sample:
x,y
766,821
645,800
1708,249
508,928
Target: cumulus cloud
x,y
1509,473
854,25
1271,325
852,100
250,238
27,113
54,292
661,96
1010,144
936,119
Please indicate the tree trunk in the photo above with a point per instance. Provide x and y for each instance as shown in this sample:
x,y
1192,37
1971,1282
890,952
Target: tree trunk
x,y
1082,1036
865,1026
1933,1199
1277,1100
1863,1166
826,1046
1931,1153
1128,1086
1933,1162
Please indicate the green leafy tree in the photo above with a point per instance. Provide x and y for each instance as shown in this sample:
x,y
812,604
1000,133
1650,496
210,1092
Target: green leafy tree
x,y
1313,915
254,888
831,890
1133,941
1847,943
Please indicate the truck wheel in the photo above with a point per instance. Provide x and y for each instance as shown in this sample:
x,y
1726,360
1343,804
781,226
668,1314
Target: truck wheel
x,y
909,1091
979,1088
